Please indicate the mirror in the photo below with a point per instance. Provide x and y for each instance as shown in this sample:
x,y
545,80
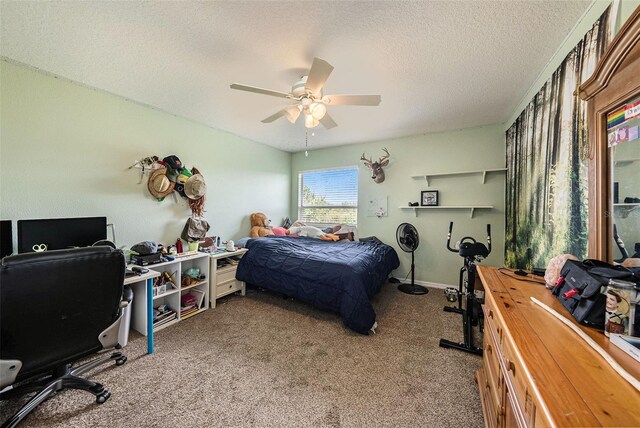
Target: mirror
x,y
613,102
622,137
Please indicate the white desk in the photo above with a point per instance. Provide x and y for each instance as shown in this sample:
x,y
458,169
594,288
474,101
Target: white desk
x,y
148,279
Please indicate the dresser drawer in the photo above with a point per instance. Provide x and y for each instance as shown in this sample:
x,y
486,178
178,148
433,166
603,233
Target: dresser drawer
x,y
491,365
228,287
516,380
493,322
225,274
489,406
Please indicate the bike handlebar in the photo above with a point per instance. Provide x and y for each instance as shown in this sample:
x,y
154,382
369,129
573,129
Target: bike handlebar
x,y
453,250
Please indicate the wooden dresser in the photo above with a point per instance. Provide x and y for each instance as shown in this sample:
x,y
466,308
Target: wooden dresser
x,y
537,372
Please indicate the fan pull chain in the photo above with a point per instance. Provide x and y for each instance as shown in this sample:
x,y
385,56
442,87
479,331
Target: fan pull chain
x,y
306,143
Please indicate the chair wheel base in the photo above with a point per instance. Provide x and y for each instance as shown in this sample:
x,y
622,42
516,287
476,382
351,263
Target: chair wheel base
x,y
120,361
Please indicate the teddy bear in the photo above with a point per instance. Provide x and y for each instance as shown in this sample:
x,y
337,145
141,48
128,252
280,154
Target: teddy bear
x,y
260,225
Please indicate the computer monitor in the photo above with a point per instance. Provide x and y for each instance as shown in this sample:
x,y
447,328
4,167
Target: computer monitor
x,y
6,238
60,233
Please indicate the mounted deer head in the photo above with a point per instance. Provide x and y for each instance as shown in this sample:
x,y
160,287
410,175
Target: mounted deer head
x,y
376,167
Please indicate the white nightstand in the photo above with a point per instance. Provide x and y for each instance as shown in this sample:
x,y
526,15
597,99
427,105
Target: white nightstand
x,y
222,280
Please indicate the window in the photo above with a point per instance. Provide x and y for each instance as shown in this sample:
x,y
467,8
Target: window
x,y
328,196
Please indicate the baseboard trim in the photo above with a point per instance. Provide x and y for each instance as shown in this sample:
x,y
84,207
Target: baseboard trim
x,y
428,284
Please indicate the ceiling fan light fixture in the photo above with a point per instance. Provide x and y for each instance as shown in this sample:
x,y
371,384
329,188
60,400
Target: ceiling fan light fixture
x,y
305,102
292,113
307,96
310,121
317,110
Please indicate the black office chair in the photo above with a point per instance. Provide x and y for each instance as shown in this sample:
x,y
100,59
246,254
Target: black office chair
x,y
57,307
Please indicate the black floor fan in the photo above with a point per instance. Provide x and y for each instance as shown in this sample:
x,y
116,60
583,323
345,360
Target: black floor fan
x,y
408,239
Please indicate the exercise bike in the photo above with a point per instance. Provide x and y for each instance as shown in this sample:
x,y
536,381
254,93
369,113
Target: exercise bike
x,y
622,248
472,252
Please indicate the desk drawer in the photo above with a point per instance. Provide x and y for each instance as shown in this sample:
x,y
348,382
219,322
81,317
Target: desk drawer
x,y
225,274
228,287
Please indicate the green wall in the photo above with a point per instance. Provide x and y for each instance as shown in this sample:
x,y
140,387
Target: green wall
x,y
626,173
452,151
584,24
626,9
65,150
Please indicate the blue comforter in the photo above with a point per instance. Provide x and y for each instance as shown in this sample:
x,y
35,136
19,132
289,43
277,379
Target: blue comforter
x,y
336,276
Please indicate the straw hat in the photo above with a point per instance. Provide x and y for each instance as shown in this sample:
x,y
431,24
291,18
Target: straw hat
x,y
195,187
159,185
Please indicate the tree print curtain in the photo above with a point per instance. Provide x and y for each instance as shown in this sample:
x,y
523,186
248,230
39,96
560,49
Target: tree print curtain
x,y
547,159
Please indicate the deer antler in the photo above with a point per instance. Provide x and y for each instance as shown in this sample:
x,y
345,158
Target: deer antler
x,y
385,156
367,162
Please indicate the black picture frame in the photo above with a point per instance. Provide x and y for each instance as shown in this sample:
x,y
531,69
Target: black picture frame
x,y
429,198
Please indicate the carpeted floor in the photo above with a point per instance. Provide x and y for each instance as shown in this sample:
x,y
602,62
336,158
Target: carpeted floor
x,y
263,361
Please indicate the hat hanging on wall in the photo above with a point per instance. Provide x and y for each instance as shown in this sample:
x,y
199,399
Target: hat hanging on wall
x,y
173,162
181,180
159,185
195,187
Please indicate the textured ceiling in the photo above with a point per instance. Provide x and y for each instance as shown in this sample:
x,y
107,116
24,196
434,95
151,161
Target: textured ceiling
x,y
438,65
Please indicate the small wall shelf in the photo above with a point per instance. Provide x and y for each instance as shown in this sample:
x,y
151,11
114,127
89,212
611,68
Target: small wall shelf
x,y
625,161
478,171
448,207
624,209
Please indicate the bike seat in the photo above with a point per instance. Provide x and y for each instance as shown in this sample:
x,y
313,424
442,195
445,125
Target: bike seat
x,y
475,249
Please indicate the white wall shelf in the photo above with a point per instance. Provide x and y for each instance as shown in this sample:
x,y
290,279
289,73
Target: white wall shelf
x,y
440,174
448,207
625,161
624,209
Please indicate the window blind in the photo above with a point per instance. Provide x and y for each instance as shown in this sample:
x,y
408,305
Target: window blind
x,y
328,196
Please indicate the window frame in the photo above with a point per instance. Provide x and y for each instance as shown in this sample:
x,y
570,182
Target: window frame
x,y
301,192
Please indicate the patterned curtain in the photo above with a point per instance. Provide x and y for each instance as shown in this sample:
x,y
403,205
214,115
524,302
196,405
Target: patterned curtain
x,y
547,159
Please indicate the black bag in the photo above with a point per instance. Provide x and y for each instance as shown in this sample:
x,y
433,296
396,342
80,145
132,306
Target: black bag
x,y
580,289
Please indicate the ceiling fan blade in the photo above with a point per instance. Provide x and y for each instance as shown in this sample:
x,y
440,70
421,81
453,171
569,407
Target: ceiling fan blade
x,y
328,122
260,90
274,116
352,100
319,73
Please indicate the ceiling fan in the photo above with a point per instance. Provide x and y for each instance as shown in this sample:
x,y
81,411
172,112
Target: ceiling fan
x,y
308,97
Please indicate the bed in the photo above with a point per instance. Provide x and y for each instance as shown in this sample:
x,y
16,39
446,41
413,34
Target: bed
x,y
336,276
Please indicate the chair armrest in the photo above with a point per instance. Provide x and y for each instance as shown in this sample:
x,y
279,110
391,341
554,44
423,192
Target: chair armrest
x,y
127,297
